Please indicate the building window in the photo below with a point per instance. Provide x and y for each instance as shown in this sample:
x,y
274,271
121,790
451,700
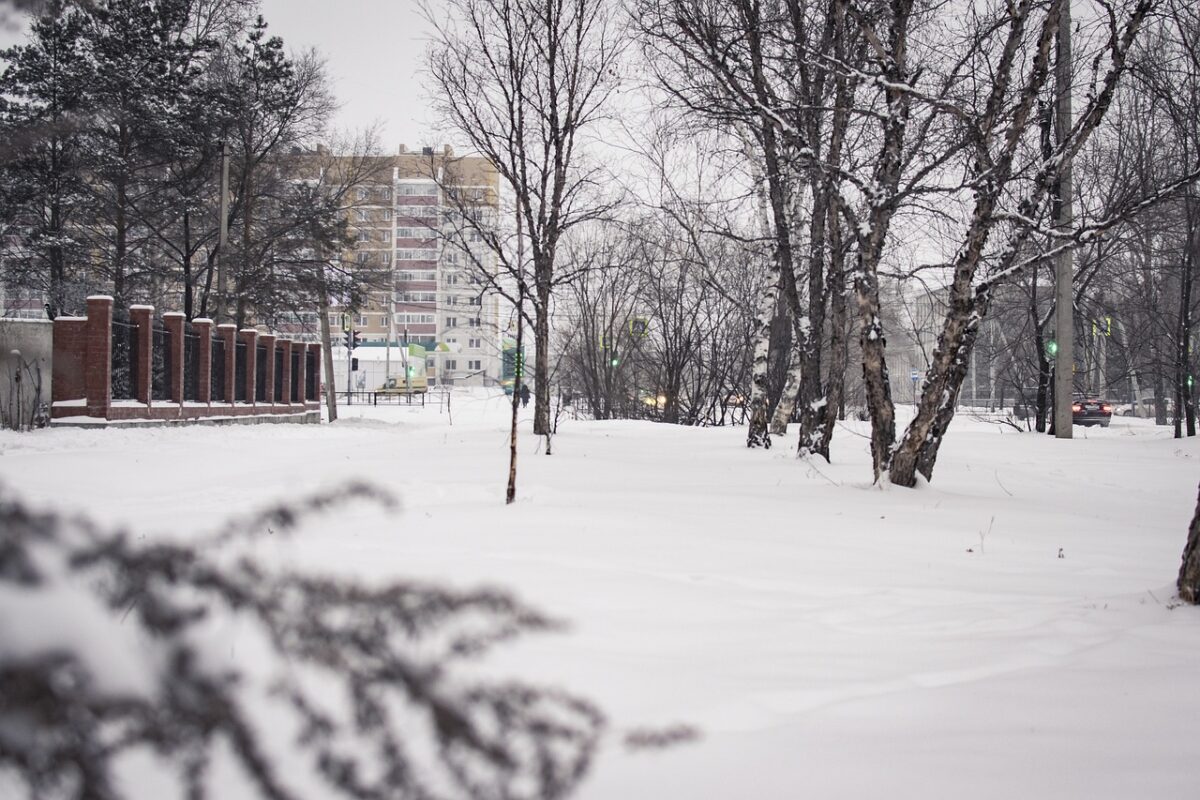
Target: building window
x,y
361,214
362,320
364,236
363,193
451,322
475,365
363,257
410,232
385,236
474,343
451,364
384,320
416,255
386,257
475,323
474,301
385,193
387,212
415,275
417,190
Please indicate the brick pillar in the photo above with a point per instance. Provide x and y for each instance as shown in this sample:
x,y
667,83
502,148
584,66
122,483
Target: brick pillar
x,y
228,332
286,346
250,337
97,365
268,341
143,317
316,348
203,328
69,358
173,322
301,348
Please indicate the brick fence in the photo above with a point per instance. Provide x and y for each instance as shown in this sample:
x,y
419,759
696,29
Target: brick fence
x,y
171,370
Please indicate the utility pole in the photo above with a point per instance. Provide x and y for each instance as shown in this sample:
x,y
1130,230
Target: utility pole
x,y
223,240
1064,319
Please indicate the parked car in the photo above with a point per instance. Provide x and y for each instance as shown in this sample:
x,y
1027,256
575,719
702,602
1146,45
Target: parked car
x,y
1091,411
1146,408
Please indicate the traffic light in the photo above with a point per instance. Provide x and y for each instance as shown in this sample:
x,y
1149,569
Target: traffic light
x,y
352,339
615,361
411,370
519,364
1051,348
347,341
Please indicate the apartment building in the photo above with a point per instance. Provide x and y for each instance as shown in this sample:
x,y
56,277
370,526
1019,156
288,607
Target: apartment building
x,y
403,221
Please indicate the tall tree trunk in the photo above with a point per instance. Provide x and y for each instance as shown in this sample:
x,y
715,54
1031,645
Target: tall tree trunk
x,y
788,396
120,231
541,337
812,401
757,434
1183,352
839,344
58,293
874,359
1189,571
189,289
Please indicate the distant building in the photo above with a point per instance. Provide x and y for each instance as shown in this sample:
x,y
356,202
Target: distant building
x,y
437,295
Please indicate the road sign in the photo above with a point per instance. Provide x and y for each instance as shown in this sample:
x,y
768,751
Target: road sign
x,y
915,375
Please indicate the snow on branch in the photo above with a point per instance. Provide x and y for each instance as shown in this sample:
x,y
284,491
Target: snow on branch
x,y
116,652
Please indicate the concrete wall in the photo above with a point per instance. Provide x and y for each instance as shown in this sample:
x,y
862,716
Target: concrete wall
x,y
31,394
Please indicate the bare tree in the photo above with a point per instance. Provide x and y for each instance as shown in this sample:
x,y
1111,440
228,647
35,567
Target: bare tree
x,y
523,81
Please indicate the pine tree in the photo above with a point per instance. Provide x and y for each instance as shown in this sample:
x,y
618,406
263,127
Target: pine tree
x,y
41,189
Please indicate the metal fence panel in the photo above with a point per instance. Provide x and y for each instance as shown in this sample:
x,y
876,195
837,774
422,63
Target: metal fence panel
x,y
191,363
260,373
218,370
124,350
295,388
310,376
160,361
239,372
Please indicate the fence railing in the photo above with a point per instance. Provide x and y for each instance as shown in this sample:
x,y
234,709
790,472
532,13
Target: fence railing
x,y
133,365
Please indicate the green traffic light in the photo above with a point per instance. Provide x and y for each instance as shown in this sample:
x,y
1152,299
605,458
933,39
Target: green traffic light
x,y
615,361
1051,348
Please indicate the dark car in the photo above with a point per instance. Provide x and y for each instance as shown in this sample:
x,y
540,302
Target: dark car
x,y
1091,411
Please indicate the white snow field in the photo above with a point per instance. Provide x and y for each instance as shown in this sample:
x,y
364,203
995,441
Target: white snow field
x,y
1008,631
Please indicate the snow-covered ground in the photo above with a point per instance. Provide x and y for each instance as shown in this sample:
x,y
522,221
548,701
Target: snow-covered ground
x,y
1008,631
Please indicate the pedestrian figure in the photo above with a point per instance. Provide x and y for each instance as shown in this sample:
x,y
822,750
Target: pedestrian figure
x,y
524,395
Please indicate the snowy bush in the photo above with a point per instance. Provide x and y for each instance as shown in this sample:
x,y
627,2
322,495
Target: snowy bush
x,y
117,671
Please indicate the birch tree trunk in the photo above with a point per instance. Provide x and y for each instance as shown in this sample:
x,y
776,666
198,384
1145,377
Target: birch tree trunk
x,y
788,397
757,434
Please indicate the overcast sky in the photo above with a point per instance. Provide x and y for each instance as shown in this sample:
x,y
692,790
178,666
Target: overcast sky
x,y
374,51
